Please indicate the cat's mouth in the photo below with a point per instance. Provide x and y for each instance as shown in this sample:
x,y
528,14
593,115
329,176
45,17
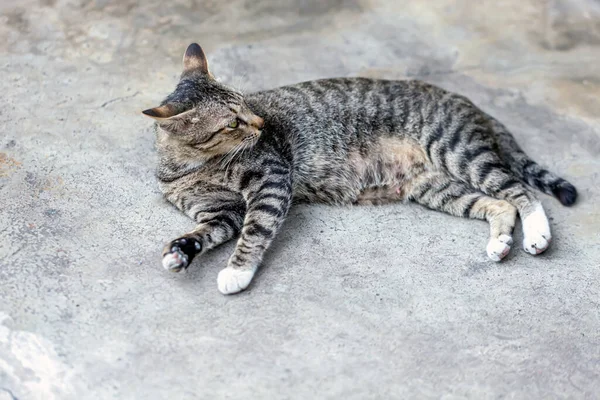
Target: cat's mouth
x,y
256,125
254,135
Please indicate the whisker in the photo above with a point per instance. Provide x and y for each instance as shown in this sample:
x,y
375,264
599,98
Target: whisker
x,y
233,152
227,156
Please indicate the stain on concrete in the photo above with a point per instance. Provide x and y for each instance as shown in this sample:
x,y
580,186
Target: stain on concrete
x,y
571,24
8,165
16,19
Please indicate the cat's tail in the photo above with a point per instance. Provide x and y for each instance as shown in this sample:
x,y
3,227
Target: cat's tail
x,y
531,172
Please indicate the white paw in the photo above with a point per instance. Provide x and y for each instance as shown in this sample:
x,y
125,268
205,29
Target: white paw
x,y
498,248
536,231
233,280
175,261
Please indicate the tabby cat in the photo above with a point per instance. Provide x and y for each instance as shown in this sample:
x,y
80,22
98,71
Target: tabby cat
x,y
234,163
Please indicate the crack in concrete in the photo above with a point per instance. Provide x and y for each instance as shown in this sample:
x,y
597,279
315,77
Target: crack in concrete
x,y
119,99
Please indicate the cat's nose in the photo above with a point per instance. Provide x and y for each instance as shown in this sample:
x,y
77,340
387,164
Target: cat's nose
x,y
258,122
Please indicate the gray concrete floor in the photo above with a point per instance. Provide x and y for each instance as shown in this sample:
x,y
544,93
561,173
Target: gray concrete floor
x,y
361,303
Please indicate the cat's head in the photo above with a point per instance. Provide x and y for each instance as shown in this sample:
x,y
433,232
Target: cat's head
x,y
202,116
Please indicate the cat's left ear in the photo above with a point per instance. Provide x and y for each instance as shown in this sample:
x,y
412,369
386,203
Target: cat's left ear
x,y
169,118
162,112
194,59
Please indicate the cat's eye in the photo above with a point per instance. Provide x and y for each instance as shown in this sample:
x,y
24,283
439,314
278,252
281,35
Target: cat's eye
x,y
233,124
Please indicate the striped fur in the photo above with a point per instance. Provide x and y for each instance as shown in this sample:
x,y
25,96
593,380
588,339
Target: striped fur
x,y
235,163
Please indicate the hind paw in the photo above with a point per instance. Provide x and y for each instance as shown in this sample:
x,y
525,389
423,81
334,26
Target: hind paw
x,y
536,243
536,231
498,248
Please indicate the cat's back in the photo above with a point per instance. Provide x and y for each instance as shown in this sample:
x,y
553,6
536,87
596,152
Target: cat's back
x,y
361,103
343,93
338,112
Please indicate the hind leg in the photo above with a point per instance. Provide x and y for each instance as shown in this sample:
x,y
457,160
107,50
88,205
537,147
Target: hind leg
x,y
482,168
441,192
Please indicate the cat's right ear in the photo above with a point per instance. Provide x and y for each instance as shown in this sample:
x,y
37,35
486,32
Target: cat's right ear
x,y
194,59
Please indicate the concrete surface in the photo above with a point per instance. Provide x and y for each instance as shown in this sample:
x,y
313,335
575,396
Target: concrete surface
x,y
360,303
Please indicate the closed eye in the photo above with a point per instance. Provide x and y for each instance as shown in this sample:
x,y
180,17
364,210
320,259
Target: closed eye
x,y
205,140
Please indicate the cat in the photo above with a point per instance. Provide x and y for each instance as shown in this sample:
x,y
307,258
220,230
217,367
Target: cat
x,y
235,163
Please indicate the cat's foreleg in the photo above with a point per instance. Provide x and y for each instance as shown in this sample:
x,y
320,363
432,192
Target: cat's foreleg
x,y
268,202
218,222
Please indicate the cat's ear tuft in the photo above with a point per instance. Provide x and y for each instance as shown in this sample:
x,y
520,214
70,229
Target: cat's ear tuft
x,y
194,59
166,111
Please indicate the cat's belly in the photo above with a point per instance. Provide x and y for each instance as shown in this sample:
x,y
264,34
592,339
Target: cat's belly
x,y
382,174
383,194
361,193
326,192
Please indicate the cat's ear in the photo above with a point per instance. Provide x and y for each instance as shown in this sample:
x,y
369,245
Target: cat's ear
x,y
168,117
194,59
162,112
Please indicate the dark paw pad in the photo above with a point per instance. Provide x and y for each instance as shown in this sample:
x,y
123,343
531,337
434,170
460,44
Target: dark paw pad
x,y
178,254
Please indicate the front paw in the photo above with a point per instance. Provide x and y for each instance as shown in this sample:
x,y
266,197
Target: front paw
x,y
175,261
234,280
178,254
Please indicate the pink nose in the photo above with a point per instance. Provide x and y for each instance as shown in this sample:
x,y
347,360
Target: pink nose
x,y
258,122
